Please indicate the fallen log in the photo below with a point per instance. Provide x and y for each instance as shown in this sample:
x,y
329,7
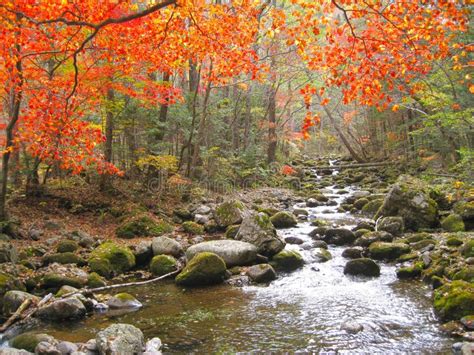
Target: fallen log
x,y
352,166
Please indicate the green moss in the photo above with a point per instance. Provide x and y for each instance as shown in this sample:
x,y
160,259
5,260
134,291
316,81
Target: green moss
x,y
193,228
28,341
203,269
229,213
142,226
467,249
466,274
407,257
52,280
263,221
95,280
232,231
8,282
64,290
64,258
372,206
162,265
284,220
269,211
423,244
360,232
454,300
454,241
418,237
287,260
124,297
453,223
319,223
410,272
389,251
465,209
120,258
65,246
100,266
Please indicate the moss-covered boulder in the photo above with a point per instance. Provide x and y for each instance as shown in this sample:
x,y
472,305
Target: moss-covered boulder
x,y
466,273
392,225
8,252
410,272
55,281
65,246
339,236
9,282
371,237
162,265
287,260
454,300
229,213
193,228
257,229
142,226
233,252
467,249
284,219
454,241
261,273
321,255
64,258
62,309
123,300
166,246
204,269
372,207
232,231
466,210
95,280
120,258
453,223
28,341
360,203
362,267
387,251
13,299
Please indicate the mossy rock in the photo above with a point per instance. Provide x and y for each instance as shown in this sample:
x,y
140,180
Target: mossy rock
x,y
28,341
203,269
454,300
65,246
9,282
387,251
229,213
193,228
407,257
467,249
100,266
55,281
466,211
287,260
269,211
232,231
142,226
453,223
183,214
64,290
410,272
284,220
319,223
423,244
95,280
162,265
65,258
360,203
466,274
372,207
120,258
454,241
362,267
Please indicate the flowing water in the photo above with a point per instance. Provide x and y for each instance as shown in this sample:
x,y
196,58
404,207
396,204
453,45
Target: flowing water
x,y
301,311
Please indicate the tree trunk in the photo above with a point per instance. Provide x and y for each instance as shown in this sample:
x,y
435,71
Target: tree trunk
x,y
105,180
272,136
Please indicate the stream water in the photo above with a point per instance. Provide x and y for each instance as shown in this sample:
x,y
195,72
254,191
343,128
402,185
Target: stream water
x,y
302,311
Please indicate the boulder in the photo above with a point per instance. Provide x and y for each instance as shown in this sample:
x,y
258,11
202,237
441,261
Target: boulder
x,y
229,213
166,246
352,327
28,341
233,252
257,229
409,198
284,220
163,264
63,309
193,228
13,299
353,253
203,269
387,251
371,237
8,252
57,275
123,300
410,272
64,258
261,273
232,231
119,258
466,210
287,260
153,346
339,236
467,250
392,225
67,245
120,339
66,347
95,280
294,240
142,226
321,255
362,266
453,223
454,300
143,253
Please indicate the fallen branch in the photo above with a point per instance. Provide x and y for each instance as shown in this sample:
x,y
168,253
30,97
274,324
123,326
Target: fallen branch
x,y
350,166
24,306
110,287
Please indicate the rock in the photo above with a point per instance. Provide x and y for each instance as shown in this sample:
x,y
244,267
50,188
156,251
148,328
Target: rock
x,y
232,231
229,213
294,240
318,233
166,246
454,300
63,309
261,273
28,341
203,269
353,253
410,272
392,225
339,236
201,218
66,347
143,253
287,260
321,255
312,202
372,237
8,253
258,230
454,241
320,244
153,346
468,322
142,226
13,299
233,252
453,223
57,275
360,203
203,209
284,220
409,198
465,273
352,327
65,246
64,258
300,212
47,348
362,266
119,339
193,228
466,210
123,300
387,251
64,290
110,258
373,206
163,264
467,250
